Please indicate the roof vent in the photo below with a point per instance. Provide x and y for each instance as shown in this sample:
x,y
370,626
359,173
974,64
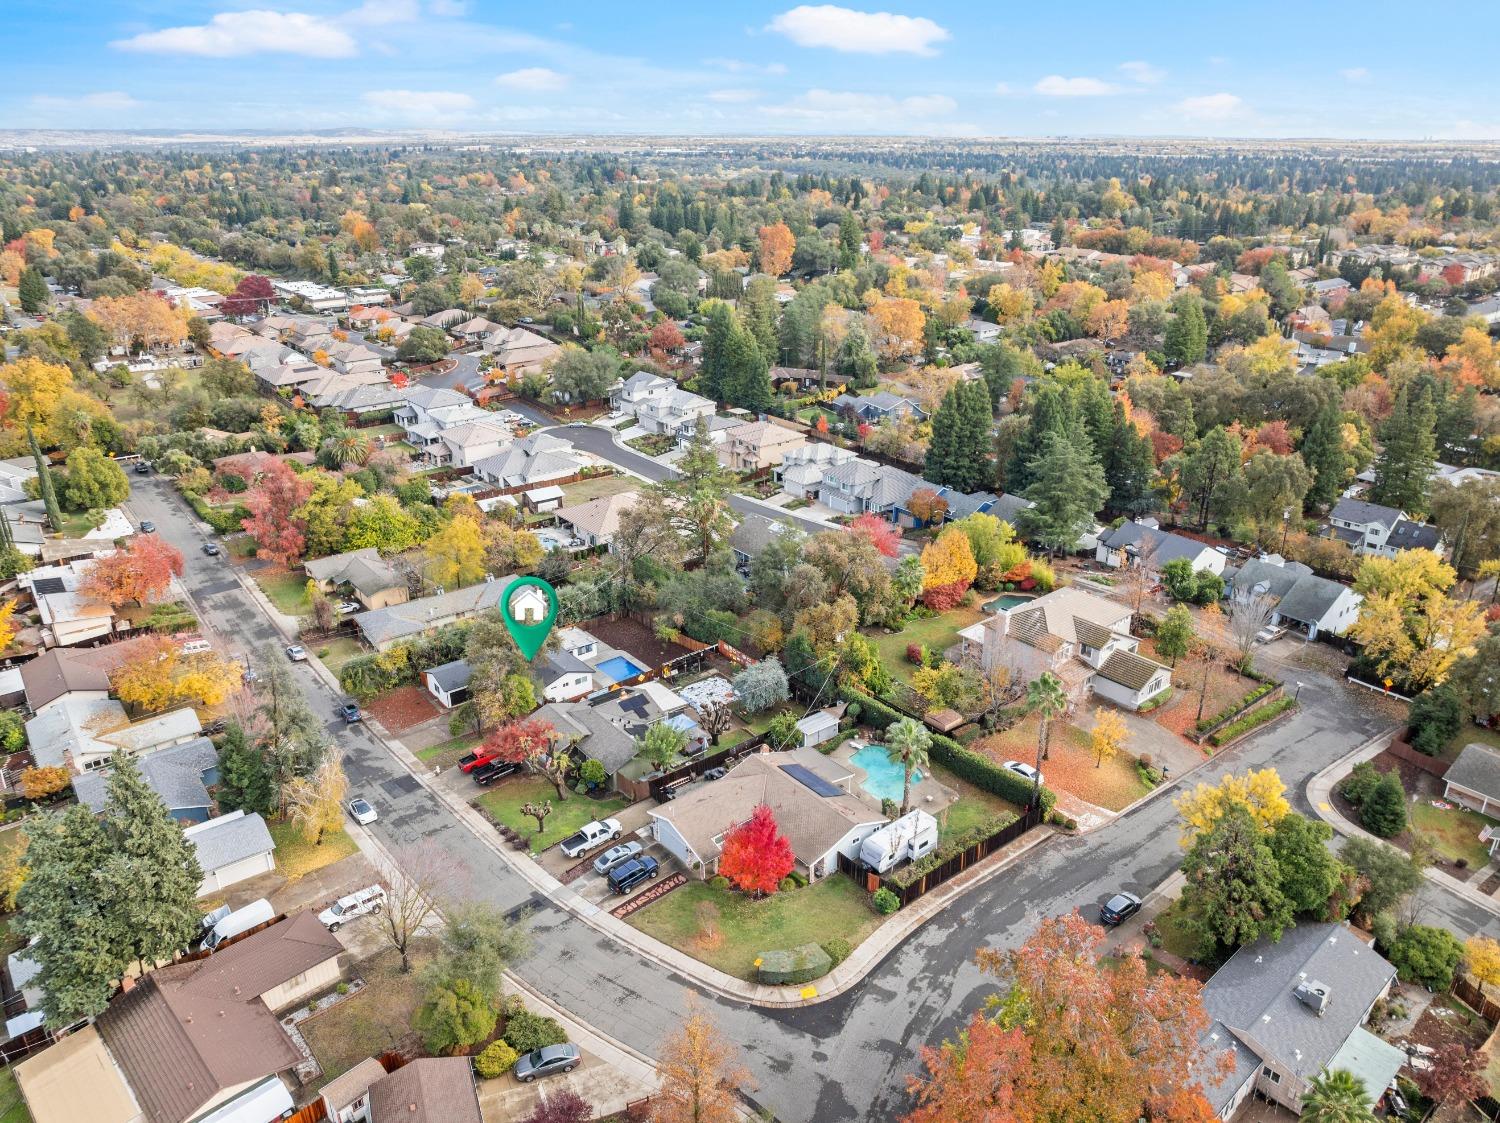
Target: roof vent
x,y
1314,995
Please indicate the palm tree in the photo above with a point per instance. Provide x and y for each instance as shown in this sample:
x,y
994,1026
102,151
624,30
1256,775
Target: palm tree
x,y
1337,1097
907,742
1046,698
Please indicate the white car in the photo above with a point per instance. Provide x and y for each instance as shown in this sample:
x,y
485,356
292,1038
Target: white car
x,y
368,900
362,812
1025,771
296,653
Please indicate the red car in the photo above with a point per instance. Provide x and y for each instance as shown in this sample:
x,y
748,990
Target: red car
x,y
477,759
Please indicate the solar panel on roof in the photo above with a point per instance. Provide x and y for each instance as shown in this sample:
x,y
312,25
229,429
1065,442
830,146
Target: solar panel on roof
x,y
810,780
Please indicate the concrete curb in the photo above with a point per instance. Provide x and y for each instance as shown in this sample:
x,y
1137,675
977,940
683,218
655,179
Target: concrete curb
x,y
1319,792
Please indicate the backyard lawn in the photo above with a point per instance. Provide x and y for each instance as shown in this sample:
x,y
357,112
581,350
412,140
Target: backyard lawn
x,y
285,589
1069,766
938,633
596,488
296,857
375,1021
830,908
504,804
1454,831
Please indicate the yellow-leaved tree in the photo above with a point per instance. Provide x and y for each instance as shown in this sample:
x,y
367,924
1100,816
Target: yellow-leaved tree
x,y
1259,792
1408,623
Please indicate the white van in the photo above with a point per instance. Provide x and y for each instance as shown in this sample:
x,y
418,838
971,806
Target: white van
x,y
241,920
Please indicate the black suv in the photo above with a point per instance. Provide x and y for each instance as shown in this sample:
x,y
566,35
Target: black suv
x,y
494,770
622,879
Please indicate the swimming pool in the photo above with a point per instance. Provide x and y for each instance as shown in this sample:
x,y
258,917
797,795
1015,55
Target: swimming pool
x,y
1006,601
618,668
882,774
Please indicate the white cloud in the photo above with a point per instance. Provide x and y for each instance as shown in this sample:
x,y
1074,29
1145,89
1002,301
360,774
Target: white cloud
x,y
230,34
533,80
106,99
733,96
1055,85
1354,74
1142,72
427,104
856,110
871,33
1211,107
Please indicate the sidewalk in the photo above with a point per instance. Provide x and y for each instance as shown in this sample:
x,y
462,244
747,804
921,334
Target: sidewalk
x,y
1320,795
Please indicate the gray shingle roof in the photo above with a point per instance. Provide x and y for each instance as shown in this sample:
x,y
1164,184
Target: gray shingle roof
x,y
1478,769
176,774
222,842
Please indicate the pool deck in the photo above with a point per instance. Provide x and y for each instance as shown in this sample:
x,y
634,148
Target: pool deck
x,y
926,795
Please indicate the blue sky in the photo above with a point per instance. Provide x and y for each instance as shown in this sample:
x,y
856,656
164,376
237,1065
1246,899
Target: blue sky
x,y
993,68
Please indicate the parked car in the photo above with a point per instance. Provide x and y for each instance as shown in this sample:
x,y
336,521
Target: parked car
x,y
1025,771
211,549
591,835
349,711
1119,908
148,527
296,653
362,812
371,899
349,607
624,878
615,855
495,770
548,1060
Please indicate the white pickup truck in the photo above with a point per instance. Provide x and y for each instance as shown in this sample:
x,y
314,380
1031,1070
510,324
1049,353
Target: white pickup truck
x,y
593,834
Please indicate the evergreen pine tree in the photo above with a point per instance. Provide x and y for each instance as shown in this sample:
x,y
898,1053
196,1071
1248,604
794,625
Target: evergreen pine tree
x,y
1187,334
1323,451
1408,450
1129,469
154,866
44,482
711,374
32,290
1067,489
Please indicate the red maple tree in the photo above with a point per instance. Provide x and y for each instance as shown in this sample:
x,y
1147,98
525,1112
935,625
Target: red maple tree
x,y
520,740
756,855
277,493
882,535
140,573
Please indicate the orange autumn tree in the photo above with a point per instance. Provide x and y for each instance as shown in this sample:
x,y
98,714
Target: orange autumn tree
x,y
776,245
141,573
756,854
1075,1039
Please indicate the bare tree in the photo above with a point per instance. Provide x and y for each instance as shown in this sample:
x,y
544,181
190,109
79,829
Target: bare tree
x,y
423,875
1249,613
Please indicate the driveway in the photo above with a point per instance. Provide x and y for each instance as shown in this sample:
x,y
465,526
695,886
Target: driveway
x,y
841,1060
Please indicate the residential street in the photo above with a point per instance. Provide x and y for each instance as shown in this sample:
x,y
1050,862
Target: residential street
x,y
845,1059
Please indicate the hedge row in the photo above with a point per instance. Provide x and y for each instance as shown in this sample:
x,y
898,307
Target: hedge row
x,y
1251,720
977,769
1235,707
908,875
794,966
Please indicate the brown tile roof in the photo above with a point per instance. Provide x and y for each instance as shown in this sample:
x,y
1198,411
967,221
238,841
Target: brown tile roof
x,y
187,1032
429,1090
1129,669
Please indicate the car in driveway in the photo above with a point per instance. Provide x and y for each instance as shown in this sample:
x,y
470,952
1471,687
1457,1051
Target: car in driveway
x,y
296,653
547,1061
350,712
617,854
494,770
1025,771
148,527
211,549
591,835
371,899
1119,908
623,878
363,812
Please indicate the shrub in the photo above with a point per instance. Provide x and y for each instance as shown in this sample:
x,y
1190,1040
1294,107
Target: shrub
x,y
497,1059
838,949
720,882
1251,721
525,1031
1383,812
885,901
1427,955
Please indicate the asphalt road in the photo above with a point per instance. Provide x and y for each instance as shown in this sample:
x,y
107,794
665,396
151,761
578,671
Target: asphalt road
x,y
846,1059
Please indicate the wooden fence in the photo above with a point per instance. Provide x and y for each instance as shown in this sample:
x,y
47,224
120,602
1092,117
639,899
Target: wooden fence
x,y
1401,749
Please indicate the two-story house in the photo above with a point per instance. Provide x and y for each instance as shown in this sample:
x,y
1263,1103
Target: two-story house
x,y
1083,639
1370,528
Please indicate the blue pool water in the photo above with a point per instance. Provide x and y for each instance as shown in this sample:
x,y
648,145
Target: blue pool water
x,y
1005,601
619,668
882,774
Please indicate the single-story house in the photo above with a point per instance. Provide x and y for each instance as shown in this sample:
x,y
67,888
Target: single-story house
x,y
1286,1011
181,775
373,580
1143,540
1311,604
426,1090
596,522
230,849
383,628
448,682
808,793
757,445
1473,780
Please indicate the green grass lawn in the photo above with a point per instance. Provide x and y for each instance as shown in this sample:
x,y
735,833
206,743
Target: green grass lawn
x,y
12,1107
455,745
938,633
285,589
835,906
596,488
296,857
1454,832
335,653
504,803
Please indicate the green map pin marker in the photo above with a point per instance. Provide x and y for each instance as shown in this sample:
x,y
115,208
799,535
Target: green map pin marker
x,y
529,608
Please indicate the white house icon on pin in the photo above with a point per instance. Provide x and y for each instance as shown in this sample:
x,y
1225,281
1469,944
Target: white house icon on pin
x,y
529,605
